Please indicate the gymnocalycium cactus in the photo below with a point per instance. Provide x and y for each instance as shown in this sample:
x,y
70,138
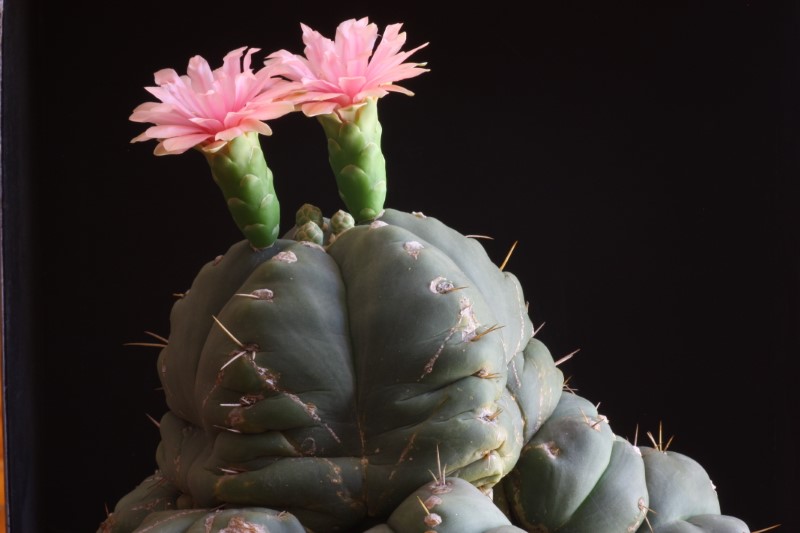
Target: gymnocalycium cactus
x,y
315,382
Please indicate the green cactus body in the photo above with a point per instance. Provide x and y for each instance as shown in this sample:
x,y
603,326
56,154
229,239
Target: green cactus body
x,y
241,172
244,520
704,524
155,493
449,505
682,496
328,382
354,153
575,475
323,381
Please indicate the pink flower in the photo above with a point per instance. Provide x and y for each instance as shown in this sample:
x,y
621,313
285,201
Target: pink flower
x,y
211,107
345,72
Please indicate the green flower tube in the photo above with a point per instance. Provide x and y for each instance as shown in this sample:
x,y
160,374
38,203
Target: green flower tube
x,y
240,170
354,153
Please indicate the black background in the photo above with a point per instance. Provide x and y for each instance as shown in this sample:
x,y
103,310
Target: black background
x,y
644,155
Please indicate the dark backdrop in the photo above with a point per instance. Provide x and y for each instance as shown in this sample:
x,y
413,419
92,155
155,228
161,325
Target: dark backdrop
x,y
645,157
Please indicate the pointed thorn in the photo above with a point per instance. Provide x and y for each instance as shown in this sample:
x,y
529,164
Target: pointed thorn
x,y
158,337
252,296
234,358
480,237
454,289
508,255
566,357
647,520
565,386
423,505
146,344
227,429
486,332
228,333
153,420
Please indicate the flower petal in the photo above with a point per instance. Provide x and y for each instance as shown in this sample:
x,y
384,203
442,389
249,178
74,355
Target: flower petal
x,y
312,109
347,68
178,145
206,104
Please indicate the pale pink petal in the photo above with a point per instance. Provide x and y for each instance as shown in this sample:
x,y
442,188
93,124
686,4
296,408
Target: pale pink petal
x,y
147,106
247,59
144,112
230,64
397,89
177,145
229,134
200,73
322,86
354,42
317,46
166,75
141,137
265,111
206,105
312,109
277,89
160,150
213,147
207,124
347,68
257,125
402,72
374,92
352,86
394,69
162,132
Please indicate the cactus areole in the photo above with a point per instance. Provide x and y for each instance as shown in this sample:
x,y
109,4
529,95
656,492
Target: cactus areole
x,y
373,370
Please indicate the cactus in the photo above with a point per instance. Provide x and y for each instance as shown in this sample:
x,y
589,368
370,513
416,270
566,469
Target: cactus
x,y
296,363
315,382
447,505
576,475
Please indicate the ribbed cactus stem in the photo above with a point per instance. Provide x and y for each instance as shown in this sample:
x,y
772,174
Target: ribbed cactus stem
x,y
240,170
354,153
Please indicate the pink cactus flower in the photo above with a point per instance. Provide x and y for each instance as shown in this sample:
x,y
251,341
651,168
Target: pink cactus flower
x,y
207,108
345,72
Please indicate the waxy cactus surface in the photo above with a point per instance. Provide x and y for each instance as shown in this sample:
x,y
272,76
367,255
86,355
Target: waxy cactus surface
x,y
375,370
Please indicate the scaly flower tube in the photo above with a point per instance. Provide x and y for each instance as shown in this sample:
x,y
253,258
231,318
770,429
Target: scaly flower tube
x,y
342,81
221,112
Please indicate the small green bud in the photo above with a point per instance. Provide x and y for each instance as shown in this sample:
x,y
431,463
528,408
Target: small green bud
x,y
311,232
309,213
341,221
